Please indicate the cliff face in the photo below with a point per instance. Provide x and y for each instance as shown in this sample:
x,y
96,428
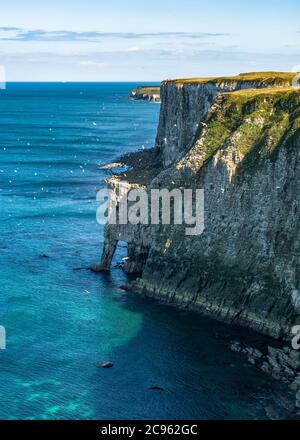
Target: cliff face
x,y
185,104
244,268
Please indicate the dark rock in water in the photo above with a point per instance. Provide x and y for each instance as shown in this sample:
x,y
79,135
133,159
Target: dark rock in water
x,y
98,269
298,399
235,346
282,364
44,256
124,287
81,268
106,364
272,413
253,355
221,336
156,388
120,265
265,367
287,403
295,385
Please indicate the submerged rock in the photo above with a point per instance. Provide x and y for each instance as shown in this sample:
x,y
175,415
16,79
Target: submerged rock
x,y
287,403
282,364
298,399
98,268
271,413
235,346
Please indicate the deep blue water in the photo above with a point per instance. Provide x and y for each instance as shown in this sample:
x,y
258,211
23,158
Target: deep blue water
x,y
62,322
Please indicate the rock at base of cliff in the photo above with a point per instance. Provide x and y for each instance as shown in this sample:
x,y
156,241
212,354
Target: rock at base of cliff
x,y
96,268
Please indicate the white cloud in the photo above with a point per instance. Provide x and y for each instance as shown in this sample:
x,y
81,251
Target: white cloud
x,y
133,49
90,63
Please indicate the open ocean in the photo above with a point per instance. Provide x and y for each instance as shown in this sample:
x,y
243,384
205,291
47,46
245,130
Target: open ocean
x,y
62,322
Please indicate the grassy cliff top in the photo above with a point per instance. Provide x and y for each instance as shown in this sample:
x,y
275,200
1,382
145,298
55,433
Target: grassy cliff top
x,y
148,90
253,122
267,78
248,94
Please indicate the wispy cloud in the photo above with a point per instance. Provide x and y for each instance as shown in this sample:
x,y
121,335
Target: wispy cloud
x,y
19,34
139,64
5,28
91,63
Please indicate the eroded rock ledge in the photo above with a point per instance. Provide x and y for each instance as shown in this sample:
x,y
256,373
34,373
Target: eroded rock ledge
x,y
281,363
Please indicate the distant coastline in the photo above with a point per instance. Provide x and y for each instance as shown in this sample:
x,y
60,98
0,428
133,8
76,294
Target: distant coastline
x,y
146,93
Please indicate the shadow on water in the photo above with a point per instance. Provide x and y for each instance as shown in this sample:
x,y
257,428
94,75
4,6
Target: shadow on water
x,y
178,365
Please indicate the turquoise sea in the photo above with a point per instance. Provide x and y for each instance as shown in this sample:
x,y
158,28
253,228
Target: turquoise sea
x,y
62,322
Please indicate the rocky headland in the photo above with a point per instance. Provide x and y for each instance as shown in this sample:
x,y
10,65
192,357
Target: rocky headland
x,y
146,93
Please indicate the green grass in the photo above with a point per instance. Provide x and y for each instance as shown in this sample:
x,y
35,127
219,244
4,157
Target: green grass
x,y
148,90
255,123
262,78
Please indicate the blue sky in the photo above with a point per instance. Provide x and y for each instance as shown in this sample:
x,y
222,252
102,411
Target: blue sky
x,y
95,40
